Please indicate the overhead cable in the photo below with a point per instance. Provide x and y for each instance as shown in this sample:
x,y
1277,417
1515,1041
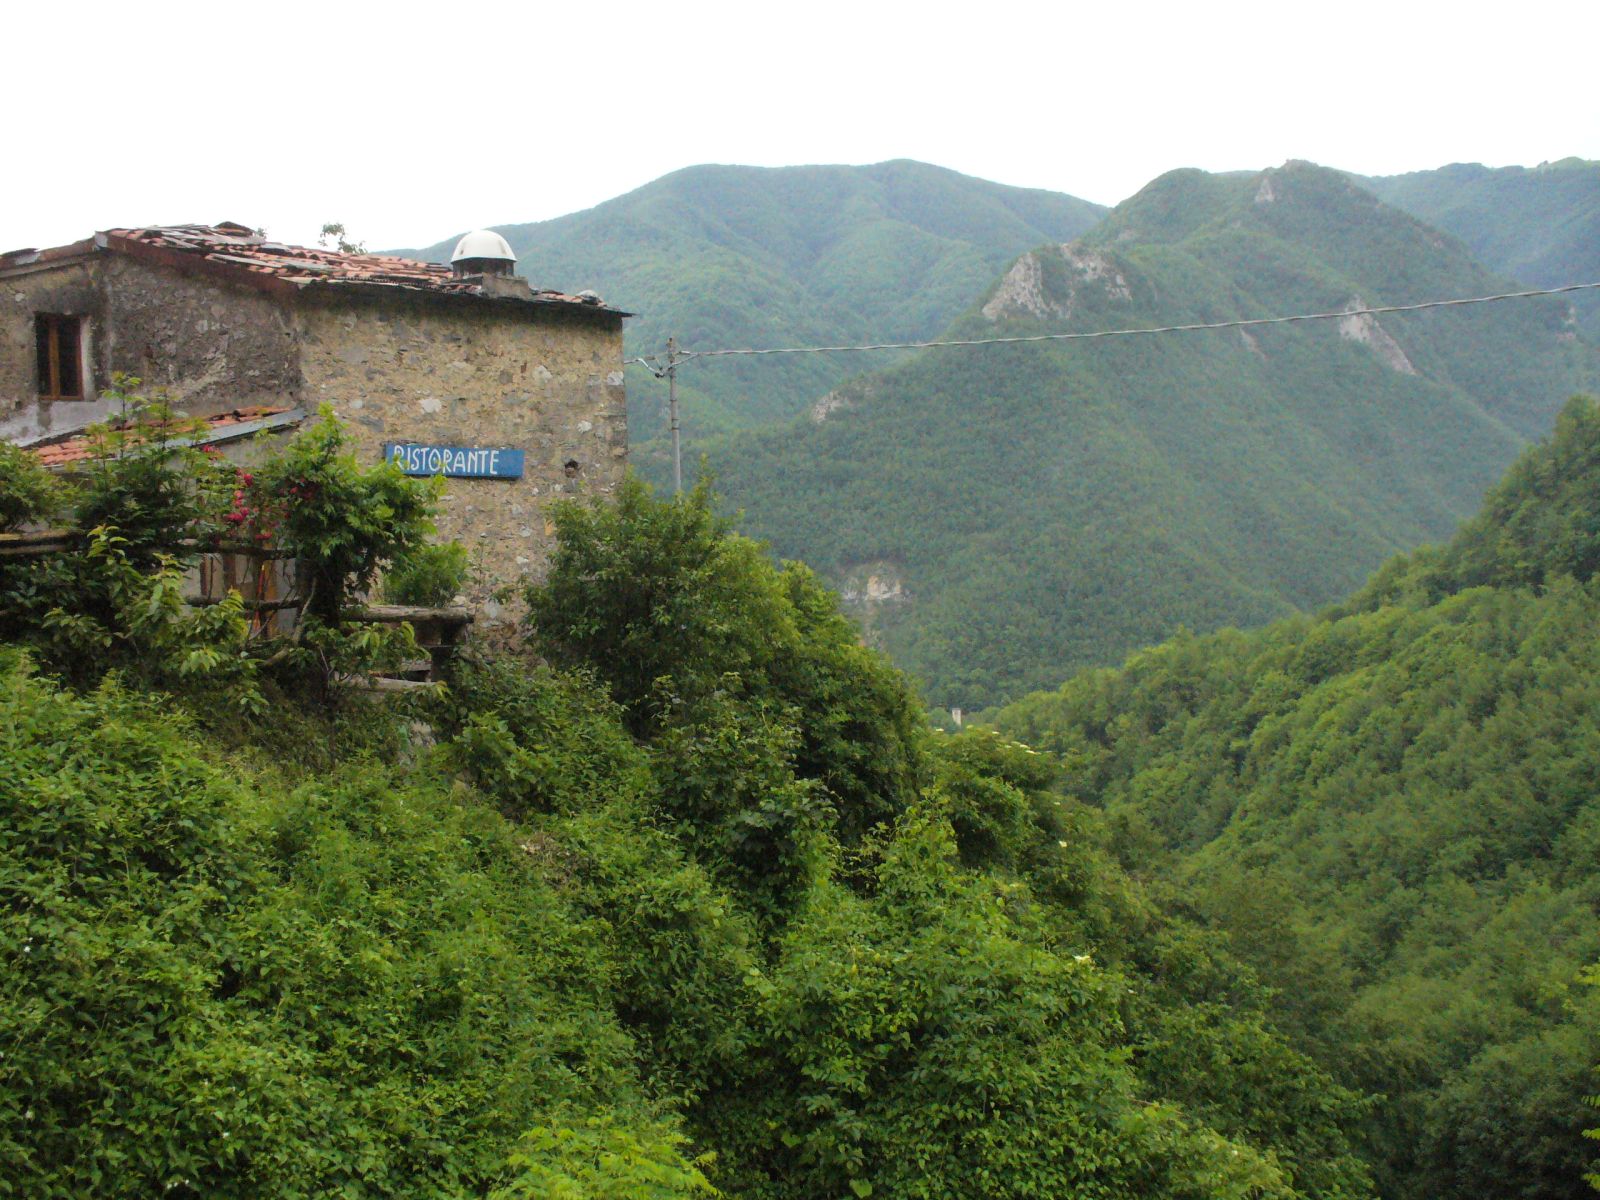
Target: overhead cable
x,y
683,356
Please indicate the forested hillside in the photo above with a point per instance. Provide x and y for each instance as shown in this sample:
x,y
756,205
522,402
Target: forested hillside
x,y
1391,811
696,901
724,256
1538,224
1021,510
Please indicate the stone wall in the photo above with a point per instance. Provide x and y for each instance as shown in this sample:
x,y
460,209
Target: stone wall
x,y
483,374
69,288
212,346
453,370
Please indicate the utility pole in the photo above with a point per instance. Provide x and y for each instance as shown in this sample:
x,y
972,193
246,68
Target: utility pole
x,y
672,409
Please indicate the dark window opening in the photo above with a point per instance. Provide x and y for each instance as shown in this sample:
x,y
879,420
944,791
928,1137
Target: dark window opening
x,y
59,343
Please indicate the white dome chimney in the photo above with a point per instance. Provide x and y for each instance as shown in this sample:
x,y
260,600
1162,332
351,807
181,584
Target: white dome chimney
x,y
483,252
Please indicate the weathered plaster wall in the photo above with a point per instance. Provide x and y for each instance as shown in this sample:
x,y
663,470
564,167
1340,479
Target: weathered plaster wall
x,y
213,346
71,289
210,345
542,381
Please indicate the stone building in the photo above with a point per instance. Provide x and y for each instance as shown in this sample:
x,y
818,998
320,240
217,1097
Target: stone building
x,y
514,393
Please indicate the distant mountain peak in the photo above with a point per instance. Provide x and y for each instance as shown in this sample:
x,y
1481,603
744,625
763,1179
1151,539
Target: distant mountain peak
x,y
727,255
1053,505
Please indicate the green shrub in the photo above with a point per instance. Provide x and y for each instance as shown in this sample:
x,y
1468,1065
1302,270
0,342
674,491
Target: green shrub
x,y
212,985
551,748
28,491
97,609
538,740
429,576
725,777
988,783
601,1159
342,520
924,1044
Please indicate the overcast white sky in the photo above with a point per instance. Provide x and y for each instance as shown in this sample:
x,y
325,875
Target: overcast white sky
x,y
409,128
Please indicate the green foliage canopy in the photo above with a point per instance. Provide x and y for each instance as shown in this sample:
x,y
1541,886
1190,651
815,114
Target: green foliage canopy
x,y
672,610
614,935
1389,809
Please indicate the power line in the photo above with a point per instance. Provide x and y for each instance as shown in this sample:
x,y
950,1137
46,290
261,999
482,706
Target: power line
x,y
682,356
668,369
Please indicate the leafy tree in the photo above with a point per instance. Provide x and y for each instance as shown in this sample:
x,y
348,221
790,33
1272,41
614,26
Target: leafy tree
x,y
340,519
666,605
334,236
28,491
1387,811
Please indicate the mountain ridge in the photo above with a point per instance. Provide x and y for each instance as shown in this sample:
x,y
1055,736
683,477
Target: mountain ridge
x,y
1042,507
755,256
1537,224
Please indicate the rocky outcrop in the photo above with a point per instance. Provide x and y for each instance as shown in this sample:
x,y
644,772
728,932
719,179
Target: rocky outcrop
x,y
827,406
1364,328
879,583
1023,291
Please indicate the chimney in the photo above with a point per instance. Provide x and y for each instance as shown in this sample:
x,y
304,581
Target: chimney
x,y
485,258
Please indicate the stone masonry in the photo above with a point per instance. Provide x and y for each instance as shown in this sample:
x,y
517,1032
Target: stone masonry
x,y
415,373
401,351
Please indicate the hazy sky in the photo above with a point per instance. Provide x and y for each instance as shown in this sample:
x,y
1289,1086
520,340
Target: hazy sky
x,y
409,128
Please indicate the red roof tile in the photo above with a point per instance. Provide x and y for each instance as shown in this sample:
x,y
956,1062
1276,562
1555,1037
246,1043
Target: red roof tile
x,y
236,248
81,448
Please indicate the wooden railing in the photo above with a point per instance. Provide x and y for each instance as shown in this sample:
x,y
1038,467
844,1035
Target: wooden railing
x,y
265,578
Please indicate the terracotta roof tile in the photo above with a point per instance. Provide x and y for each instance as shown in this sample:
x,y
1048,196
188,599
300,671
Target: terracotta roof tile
x,y
81,448
233,246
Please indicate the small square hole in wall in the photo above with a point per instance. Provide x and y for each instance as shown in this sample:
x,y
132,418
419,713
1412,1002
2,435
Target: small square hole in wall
x,y
58,343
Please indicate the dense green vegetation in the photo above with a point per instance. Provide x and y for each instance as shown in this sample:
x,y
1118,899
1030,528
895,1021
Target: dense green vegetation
x,y
1391,811
1058,505
724,256
1537,224
148,504
679,897
734,920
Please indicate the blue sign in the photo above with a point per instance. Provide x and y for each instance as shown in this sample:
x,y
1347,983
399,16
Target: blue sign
x,y
456,462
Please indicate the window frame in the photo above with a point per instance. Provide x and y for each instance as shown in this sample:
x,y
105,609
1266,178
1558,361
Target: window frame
x,y
48,347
